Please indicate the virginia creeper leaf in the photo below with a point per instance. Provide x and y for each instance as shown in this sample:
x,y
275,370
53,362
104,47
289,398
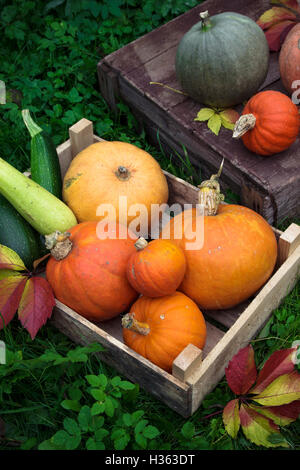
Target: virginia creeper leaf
x,y
9,259
214,124
36,304
276,34
231,418
258,428
281,415
11,290
279,363
204,114
283,390
275,16
241,371
278,21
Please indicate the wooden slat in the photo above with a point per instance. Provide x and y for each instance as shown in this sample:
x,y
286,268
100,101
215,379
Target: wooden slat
x,y
246,327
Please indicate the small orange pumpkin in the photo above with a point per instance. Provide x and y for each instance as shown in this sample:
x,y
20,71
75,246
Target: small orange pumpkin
x,y
159,329
289,59
237,256
157,268
269,124
88,274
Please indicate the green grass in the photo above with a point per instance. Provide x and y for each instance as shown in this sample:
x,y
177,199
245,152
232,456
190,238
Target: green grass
x,y
50,57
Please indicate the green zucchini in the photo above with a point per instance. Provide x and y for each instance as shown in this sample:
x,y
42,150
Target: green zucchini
x,y
18,235
42,210
44,162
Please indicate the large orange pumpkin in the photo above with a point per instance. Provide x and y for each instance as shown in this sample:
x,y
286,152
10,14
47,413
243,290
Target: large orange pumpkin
x,y
269,124
105,171
159,329
88,274
289,60
237,257
157,268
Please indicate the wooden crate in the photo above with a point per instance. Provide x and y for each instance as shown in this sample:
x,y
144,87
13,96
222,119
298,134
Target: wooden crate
x,y
269,185
195,373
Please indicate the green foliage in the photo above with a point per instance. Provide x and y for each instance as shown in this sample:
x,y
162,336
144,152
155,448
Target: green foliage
x,y
50,53
53,393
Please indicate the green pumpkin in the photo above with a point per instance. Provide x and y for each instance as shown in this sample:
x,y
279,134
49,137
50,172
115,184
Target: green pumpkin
x,y
222,60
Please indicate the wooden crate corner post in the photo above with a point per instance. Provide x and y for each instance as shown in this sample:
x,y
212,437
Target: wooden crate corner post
x,y
288,242
81,136
186,363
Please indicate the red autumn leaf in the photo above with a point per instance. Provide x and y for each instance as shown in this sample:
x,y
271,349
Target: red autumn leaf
x,y
9,259
258,428
278,21
281,415
277,34
36,304
231,418
279,363
241,371
11,290
274,16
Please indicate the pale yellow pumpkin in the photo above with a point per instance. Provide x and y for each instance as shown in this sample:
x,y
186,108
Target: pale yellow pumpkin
x,y
104,171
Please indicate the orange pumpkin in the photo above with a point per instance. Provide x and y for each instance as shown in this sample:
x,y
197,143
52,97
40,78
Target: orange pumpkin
x,y
88,274
157,268
269,124
106,171
236,258
159,329
289,60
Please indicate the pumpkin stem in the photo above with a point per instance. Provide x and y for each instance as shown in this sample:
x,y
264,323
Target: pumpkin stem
x,y
244,124
205,18
141,243
32,127
210,193
123,173
59,243
129,322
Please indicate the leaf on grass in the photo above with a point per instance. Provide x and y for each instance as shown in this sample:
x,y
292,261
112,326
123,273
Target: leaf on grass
x,y
279,363
258,428
11,290
231,418
9,259
36,304
281,415
283,390
241,371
